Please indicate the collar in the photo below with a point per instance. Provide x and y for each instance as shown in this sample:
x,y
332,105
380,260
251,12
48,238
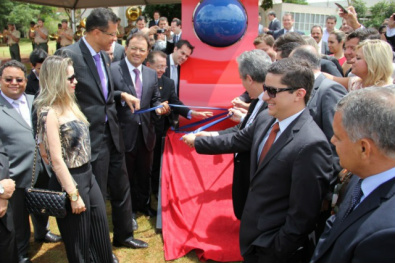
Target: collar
x,y
91,50
390,32
286,122
21,99
35,73
131,67
260,97
172,61
370,183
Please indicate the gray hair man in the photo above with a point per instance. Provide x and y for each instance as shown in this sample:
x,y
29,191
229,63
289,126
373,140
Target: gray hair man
x,y
364,228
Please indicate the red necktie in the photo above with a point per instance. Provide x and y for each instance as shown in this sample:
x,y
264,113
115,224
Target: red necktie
x,y
270,141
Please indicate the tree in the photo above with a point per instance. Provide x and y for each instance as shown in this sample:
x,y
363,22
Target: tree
x,y
360,8
268,4
379,12
169,10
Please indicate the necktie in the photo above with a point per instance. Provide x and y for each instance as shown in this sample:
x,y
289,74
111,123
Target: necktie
x,y
270,141
23,111
101,75
356,197
137,82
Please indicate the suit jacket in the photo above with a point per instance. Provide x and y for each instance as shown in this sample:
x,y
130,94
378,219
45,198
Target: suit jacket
x,y
119,52
150,97
366,234
324,48
170,45
323,99
18,142
331,65
152,23
241,166
90,95
33,85
274,25
6,220
279,213
280,32
167,73
167,93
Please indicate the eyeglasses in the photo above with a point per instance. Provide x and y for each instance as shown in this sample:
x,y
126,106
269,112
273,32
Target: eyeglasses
x,y
71,78
161,67
142,50
9,79
272,91
108,34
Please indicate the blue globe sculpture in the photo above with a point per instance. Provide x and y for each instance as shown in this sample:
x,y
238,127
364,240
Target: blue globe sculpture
x,y
220,23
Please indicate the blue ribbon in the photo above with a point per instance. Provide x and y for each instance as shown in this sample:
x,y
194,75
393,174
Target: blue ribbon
x,y
178,106
199,122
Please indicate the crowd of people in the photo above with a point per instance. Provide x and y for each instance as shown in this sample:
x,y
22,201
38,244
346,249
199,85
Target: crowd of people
x,y
314,108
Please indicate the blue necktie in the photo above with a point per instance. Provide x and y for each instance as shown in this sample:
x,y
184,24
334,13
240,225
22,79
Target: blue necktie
x,y
356,197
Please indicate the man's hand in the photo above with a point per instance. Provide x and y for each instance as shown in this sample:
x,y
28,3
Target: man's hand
x,y
132,101
9,188
164,110
237,114
237,102
201,114
351,17
3,207
265,29
189,139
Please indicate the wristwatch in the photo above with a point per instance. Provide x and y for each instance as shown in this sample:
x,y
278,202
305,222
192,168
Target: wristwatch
x,y
1,189
74,195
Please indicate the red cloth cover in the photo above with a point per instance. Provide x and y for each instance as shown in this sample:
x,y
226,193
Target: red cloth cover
x,y
197,204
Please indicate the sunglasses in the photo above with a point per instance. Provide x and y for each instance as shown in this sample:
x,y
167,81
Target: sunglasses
x,y
71,79
9,80
272,92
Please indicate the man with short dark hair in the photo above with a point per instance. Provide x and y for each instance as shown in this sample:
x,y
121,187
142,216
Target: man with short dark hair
x,y
363,229
140,25
329,27
155,20
36,58
182,50
12,37
316,33
65,34
40,35
288,26
274,22
96,96
291,163
138,130
16,133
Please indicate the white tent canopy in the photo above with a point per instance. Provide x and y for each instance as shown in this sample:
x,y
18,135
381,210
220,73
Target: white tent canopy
x,y
77,4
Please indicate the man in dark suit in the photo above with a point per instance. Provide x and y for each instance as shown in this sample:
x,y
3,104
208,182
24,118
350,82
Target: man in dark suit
x,y
288,26
36,58
274,22
16,133
138,130
316,33
175,27
182,50
8,250
279,213
363,230
96,97
253,67
155,21
156,60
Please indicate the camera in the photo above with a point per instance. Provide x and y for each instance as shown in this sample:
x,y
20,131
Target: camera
x,y
161,31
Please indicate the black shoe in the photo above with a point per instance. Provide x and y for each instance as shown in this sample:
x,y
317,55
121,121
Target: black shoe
x,y
130,243
148,211
49,238
114,258
24,260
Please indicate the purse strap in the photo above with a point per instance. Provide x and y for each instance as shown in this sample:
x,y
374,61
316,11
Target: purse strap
x,y
36,148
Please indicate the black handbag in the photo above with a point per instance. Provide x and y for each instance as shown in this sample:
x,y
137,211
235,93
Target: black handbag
x,y
42,201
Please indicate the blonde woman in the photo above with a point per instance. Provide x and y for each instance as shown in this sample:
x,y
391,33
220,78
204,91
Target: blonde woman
x,y
372,66
64,135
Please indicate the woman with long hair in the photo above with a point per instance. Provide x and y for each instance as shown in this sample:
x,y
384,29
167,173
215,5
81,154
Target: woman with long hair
x,y
336,45
372,66
64,136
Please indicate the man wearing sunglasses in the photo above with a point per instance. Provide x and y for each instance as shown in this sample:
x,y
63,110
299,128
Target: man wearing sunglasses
x,y
96,97
291,162
16,133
